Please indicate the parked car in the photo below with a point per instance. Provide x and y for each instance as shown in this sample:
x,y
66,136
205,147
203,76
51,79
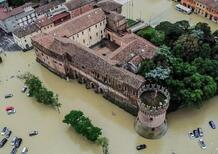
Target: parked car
x,y
24,150
191,135
200,132
141,146
33,133
196,134
11,111
3,141
18,143
24,89
8,95
13,140
212,124
14,151
4,130
202,143
8,134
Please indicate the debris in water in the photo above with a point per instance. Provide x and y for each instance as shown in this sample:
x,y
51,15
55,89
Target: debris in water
x,y
113,113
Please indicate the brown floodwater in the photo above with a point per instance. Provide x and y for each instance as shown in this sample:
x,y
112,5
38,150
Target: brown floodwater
x,y
57,138
155,11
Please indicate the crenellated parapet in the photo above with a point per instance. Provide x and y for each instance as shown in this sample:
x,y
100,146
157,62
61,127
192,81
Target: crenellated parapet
x,y
153,101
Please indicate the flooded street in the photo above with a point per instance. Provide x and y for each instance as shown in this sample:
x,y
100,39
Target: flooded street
x,y
57,138
155,11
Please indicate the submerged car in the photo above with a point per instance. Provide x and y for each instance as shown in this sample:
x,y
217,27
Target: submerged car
x,y
11,111
196,134
24,89
202,143
3,141
14,151
8,95
212,124
8,134
8,108
13,140
33,133
18,143
4,130
200,132
24,150
141,146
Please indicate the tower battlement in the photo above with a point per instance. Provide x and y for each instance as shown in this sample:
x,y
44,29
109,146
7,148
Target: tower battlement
x,y
153,101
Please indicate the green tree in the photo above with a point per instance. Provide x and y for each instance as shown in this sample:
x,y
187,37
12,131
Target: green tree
x,y
171,31
187,47
151,34
207,67
203,27
82,125
184,24
37,90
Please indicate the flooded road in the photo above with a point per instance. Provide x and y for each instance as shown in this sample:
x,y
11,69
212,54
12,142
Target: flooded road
x,y
155,11
57,138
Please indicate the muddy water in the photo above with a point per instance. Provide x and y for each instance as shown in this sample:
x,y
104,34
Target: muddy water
x,y
57,138
155,11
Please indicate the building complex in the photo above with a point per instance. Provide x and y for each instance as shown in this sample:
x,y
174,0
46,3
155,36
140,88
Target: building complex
x,y
96,49
205,8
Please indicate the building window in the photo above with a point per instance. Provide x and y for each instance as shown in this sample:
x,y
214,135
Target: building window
x,y
25,40
153,129
96,26
84,41
100,23
89,29
96,34
77,35
151,119
90,37
101,32
82,33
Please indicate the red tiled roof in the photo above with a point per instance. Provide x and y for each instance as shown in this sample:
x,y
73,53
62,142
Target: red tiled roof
x,y
59,16
79,23
74,4
44,21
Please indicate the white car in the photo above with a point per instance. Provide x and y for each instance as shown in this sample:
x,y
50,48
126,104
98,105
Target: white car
x,y
24,150
202,143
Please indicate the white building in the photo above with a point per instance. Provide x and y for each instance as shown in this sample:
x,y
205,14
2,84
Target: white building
x,y
22,36
86,29
11,19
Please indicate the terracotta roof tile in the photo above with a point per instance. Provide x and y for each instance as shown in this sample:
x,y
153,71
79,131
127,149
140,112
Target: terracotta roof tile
x,y
79,23
74,4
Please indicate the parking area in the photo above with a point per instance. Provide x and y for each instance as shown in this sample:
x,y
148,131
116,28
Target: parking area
x,y
7,42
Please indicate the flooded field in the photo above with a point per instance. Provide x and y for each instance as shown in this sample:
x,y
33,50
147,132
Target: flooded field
x,y
57,138
155,11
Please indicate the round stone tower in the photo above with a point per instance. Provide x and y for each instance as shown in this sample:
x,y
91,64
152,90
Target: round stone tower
x,y
153,101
